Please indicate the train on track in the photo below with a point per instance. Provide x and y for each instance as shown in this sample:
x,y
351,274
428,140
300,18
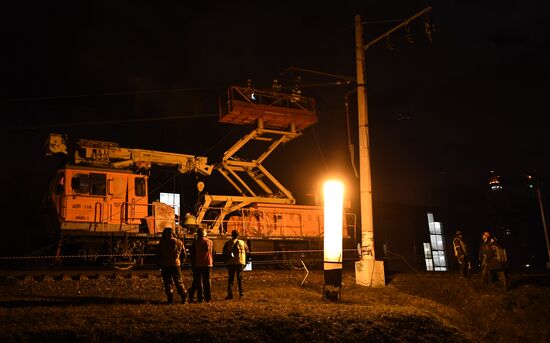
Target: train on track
x,y
99,208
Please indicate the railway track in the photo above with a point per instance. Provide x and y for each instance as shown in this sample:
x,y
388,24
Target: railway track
x,y
218,275
43,274
59,268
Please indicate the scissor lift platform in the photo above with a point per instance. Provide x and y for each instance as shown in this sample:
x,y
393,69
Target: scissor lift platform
x,y
274,110
279,118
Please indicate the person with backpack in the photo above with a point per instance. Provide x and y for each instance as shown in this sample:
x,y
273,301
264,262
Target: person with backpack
x,y
497,261
234,254
171,252
461,254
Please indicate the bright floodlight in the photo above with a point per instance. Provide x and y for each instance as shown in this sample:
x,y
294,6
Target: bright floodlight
x,y
334,209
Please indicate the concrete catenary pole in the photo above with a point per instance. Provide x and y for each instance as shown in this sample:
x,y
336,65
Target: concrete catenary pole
x,y
368,271
365,185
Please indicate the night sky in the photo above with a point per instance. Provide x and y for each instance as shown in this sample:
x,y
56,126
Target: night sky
x,y
442,114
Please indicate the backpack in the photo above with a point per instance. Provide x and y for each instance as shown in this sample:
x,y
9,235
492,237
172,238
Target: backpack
x,y
500,254
230,250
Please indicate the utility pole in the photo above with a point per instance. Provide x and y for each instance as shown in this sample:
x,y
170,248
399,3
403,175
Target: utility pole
x,y
365,186
543,217
368,271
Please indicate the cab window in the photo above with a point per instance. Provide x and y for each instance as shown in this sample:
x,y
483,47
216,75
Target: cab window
x,y
140,187
80,183
98,184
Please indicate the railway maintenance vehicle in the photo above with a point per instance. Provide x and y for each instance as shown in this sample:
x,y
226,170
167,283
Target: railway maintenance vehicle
x,y
100,205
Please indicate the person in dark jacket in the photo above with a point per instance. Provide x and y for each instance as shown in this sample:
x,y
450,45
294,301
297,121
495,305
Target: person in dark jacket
x,y
196,285
461,254
202,257
234,252
170,252
483,257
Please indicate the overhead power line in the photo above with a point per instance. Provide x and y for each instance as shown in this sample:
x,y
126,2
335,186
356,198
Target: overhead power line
x,y
114,121
152,91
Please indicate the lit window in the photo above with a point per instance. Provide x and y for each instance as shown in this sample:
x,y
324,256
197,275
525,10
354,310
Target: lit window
x,y
427,250
434,252
429,265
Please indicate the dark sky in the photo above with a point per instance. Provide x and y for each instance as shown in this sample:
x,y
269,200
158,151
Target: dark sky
x,y
441,114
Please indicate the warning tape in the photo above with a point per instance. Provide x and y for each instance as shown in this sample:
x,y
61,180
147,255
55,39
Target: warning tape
x,y
69,256
266,252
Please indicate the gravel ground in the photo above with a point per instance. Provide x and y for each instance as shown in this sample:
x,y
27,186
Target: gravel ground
x,y
277,307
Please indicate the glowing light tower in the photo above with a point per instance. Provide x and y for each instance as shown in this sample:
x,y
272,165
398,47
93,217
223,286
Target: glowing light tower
x,y
333,220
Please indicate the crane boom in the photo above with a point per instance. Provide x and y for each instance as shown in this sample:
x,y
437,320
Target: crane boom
x,y
109,154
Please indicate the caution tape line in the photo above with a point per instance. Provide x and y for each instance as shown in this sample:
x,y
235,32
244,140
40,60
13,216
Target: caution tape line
x,y
68,256
290,251
268,252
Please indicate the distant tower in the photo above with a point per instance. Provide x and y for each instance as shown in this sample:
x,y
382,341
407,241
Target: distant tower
x,y
494,181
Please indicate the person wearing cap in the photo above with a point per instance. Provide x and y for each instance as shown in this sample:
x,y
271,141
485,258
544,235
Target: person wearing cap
x,y
170,252
461,254
234,252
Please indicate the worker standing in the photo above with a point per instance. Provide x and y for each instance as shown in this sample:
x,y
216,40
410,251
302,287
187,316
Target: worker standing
x,y
483,257
234,252
171,251
497,262
461,254
203,262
